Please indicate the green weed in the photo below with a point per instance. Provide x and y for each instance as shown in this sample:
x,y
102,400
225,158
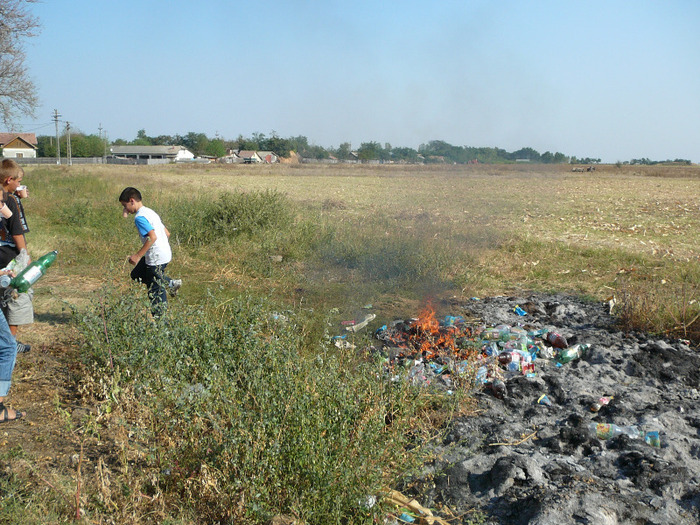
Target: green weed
x,y
246,421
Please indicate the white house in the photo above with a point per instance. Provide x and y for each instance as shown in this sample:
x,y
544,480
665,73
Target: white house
x,y
169,153
19,145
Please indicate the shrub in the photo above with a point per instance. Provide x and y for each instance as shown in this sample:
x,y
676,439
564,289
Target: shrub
x,y
244,421
201,221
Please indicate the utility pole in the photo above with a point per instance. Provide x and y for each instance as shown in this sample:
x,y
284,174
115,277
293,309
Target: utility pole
x,y
104,144
99,128
58,140
70,162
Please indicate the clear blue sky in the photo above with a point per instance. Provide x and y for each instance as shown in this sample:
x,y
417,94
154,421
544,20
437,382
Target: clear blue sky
x,y
608,79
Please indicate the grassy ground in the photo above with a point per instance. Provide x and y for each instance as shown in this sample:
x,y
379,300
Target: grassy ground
x,y
380,234
320,243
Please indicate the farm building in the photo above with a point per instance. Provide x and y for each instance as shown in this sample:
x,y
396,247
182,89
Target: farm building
x,y
169,153
18,145
268,156
249,156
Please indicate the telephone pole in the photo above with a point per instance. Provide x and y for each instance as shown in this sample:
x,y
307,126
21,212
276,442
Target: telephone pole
x,y
70,162
104,143
58,140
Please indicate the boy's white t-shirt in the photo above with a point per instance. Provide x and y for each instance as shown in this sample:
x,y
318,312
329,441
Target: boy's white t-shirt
x,y
146,220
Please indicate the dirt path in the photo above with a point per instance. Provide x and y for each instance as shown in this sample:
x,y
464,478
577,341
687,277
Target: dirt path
x,y
44,384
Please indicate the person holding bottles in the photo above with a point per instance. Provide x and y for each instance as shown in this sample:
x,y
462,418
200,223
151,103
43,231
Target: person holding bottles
x,y
19,309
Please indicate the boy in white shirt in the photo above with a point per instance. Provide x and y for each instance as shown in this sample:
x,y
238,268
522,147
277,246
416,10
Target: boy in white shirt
x,y
155,253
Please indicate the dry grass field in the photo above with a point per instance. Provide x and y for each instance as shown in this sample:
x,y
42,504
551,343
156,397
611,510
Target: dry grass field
x,y
463,230
391,236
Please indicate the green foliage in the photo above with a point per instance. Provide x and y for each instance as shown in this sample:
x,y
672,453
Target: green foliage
x,y
215,148
200,221
81,145
246,422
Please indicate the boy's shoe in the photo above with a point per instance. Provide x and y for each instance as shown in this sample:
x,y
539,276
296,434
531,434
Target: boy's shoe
x,y
22,348
175,285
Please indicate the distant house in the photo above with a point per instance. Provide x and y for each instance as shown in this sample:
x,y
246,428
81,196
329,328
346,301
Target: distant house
x,y
19,145
165,153
268,156
249,156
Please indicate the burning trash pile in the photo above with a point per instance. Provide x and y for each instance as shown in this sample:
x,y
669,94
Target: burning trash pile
x,y
449,352
578,421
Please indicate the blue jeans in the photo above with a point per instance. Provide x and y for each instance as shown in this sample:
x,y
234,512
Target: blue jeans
x,y
8,355
156,281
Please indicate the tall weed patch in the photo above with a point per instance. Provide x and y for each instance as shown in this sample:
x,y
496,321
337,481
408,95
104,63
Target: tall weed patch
x,y
200,221
244,422
670,310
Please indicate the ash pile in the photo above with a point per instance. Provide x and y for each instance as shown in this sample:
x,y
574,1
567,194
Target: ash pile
x,y
589,425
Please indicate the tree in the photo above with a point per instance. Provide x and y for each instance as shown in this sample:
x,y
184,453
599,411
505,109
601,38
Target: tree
x,y
17,92
142,139
196,142
369,151
343,151
215,148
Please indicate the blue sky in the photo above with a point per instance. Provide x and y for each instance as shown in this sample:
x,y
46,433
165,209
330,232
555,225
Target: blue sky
x,y
608,79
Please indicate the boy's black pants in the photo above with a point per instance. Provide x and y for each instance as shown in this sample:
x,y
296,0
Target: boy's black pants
x,y
156,281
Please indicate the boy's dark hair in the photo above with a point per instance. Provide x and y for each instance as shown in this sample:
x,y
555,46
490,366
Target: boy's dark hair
x,y
130,193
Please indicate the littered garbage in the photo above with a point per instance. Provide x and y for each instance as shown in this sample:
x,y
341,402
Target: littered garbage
x,y
519,310
606,431
408,505
595,407
652,438
419,375
609,430
344,345
498,388
361,325
556,340
575,352
451,320
544,400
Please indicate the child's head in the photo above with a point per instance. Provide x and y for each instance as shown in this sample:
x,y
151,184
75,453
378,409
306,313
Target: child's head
x,y
130,199
10,173
130,193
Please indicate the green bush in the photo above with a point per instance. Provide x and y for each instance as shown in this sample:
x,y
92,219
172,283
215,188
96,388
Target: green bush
x,y
245,421
199,221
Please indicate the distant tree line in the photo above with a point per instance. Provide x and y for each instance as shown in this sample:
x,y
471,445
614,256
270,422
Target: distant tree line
x,y
435,151
648,162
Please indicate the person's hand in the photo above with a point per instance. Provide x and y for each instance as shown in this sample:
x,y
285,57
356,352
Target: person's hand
x,y
11,273
133,259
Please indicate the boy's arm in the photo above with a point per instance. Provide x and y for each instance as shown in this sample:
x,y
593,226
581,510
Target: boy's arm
x,y
167,232
20,242
150,239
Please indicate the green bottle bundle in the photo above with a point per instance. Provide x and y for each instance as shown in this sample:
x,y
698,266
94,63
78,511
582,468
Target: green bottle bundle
x,y
33,272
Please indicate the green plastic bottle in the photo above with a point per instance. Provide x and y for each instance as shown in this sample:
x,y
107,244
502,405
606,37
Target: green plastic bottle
x,y
573,352
33,272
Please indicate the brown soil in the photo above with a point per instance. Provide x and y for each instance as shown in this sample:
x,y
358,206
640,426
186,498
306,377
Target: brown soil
x,y
45,385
